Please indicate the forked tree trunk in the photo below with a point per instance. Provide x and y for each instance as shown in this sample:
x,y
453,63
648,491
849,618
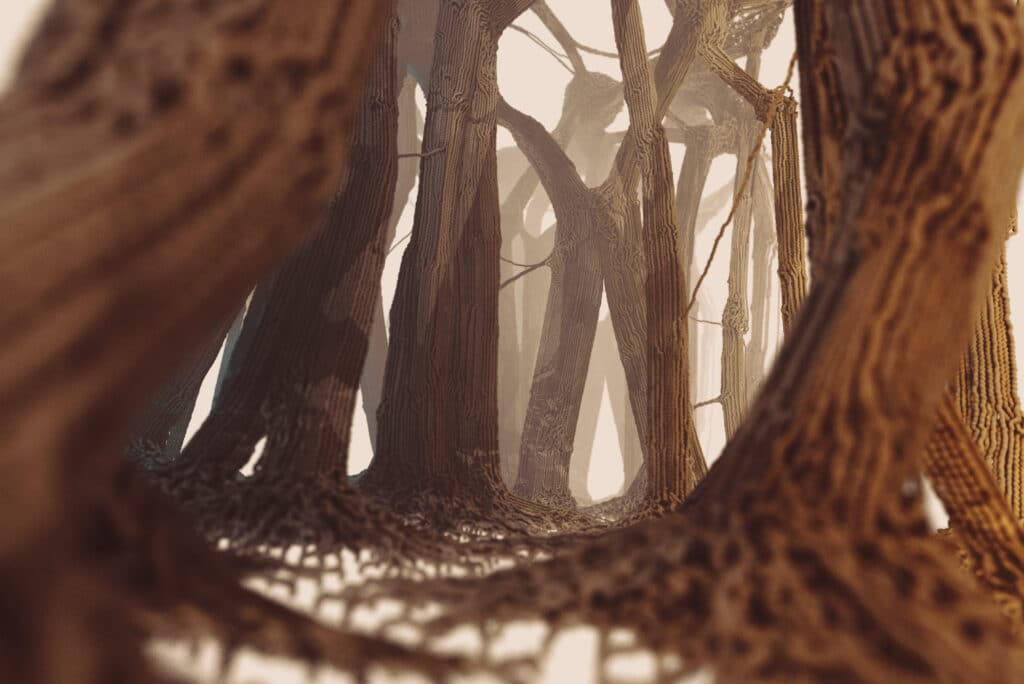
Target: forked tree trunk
x,y
570,319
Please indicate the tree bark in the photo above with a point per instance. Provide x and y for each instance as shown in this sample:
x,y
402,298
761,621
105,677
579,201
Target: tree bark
x,y
297,383
438,435
986,392
570,319
160,431
372,381
671,476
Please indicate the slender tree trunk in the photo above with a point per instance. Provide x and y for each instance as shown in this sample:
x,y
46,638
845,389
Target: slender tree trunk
x,y
693,177
669,423
764,244
736,315
788,212
989,532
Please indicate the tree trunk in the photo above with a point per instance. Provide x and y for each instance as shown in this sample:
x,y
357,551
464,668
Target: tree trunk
x,y
990,534
160,430
570,319
372,381
669,419
824,124
764,244
294,388
986,390
438,435
788,212
736,315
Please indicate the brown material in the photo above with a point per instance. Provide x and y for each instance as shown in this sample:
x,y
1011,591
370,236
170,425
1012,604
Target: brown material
x,y
990,533
986,392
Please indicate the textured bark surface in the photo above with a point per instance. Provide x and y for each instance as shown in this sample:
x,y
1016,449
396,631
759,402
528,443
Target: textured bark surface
x,y
986,390
570,318
438,417
371,384
789,223
669,421
988,530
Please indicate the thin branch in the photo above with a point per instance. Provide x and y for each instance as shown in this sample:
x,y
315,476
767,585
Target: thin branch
x,y
399,241
522,273
516,263
421,155
558,56
611,55
709,402
701,320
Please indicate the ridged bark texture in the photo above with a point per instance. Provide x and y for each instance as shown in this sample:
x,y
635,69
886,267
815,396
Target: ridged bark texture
x,y
986,391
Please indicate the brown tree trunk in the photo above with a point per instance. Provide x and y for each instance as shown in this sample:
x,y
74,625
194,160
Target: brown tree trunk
x,y
669,420
824,123
371,383
764,243
438,434
986,392
160,430
788,212
988,530
69,119
137,148
570,319
736,315
297,384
